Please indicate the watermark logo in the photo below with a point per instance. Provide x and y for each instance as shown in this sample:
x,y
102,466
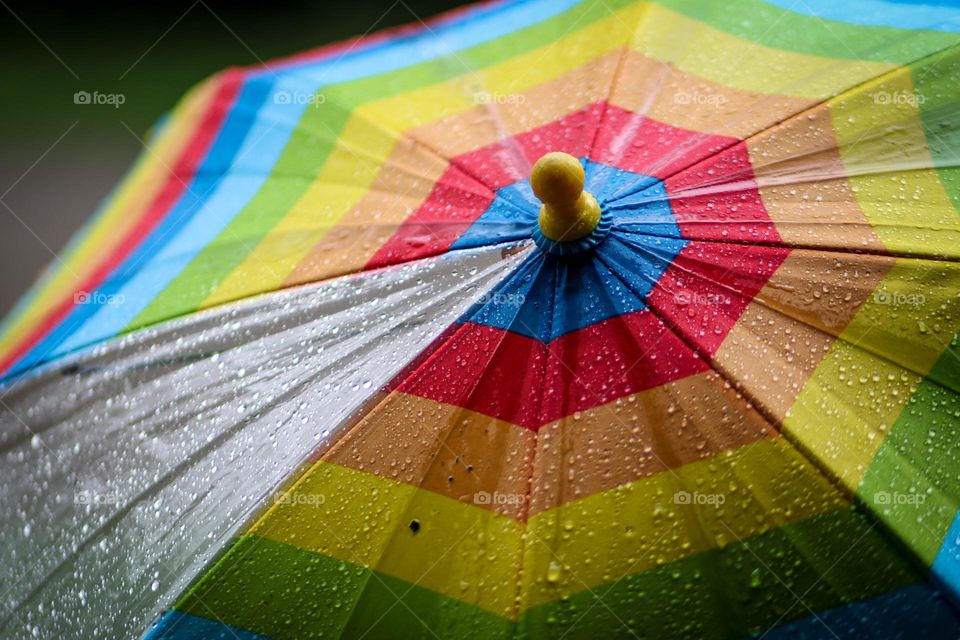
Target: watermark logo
x,y
896,498
498,498
500,298
91,497
299,98
699,98
486,97
897,98
697,498
300,498
98,298
96,98
897,298
686,297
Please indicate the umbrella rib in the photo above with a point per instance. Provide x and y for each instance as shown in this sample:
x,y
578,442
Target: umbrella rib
x,y
524,542
808,247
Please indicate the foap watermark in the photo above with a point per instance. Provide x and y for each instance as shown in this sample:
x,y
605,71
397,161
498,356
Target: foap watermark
x,y
897,98
487,97
500,298
498,498
686,297
98,298
299,498
97,98
897,498
898,298
91,497
299,98
697,498
699,98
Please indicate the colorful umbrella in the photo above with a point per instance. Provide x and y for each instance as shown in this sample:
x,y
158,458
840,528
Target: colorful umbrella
x,y
327,365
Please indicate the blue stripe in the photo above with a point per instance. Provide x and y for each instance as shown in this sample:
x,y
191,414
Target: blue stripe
x,y
514,211
933,15
918,611
614,281
134,283
264,142
946,565
175,625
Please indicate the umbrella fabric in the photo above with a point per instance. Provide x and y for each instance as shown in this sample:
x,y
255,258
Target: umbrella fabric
x,y
732,417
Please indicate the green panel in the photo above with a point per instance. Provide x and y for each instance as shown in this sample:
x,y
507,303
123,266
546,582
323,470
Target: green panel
x,y
912,482
936,83
779,28
287,593
738,590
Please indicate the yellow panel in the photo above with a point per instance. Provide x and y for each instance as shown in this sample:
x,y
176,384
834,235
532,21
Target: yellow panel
x,y
912,315
432,103
846,409
354,162
669,516
698,48
467,553
884,151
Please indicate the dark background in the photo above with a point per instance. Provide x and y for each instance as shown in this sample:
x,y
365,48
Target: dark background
x,y
58,160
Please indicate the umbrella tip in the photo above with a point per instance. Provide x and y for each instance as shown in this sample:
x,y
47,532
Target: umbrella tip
x,y
568,212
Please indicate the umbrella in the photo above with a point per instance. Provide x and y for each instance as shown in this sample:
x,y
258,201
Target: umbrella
x,y
543,319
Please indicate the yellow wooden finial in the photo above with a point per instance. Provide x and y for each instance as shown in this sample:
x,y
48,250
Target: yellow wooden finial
x,y
568,212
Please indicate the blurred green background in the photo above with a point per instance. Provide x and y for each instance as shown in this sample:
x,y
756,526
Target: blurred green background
x,y
58,159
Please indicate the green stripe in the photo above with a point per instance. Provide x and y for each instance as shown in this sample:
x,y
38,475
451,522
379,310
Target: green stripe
x,y
935,80
779,28
918,457
285,592
737,590
912,481
314,139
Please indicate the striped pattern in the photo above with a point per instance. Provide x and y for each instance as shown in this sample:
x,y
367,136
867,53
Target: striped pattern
x,y
735,416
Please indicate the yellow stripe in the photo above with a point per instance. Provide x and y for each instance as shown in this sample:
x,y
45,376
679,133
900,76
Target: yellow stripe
x,y
698,48
913,315
879,130
639,526
468,553
473,554
125,208
847,407
360,152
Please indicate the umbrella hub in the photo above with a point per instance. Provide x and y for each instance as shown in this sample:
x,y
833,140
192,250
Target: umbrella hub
x,y
570,218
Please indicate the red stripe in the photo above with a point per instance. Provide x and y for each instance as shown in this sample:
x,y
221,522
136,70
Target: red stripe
x,y
507,161
514,378
452,206
710,198
708,285
626,140
633,142
182,172
458,199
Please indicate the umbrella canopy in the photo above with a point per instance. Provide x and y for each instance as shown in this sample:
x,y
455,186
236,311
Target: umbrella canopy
x,y
713,394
